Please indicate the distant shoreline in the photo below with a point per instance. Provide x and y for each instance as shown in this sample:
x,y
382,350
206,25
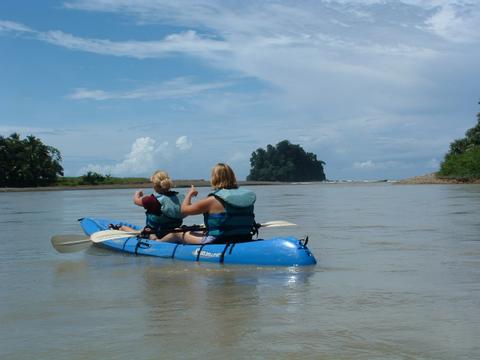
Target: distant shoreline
x,y
427,179
137,185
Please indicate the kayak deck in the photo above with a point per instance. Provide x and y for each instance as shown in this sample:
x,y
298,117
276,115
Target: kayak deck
x,y
278,251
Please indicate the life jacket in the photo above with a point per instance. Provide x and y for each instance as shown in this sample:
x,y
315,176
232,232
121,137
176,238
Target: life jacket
x,y
170,216
237,223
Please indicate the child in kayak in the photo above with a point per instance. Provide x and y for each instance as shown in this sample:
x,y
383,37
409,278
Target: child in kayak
x,y
162,208
228,211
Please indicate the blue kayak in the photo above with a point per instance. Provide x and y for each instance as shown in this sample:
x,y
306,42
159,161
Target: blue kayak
x,y
278,251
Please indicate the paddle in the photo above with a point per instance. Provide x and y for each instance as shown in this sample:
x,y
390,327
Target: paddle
x,y
70,243
105,235
74,243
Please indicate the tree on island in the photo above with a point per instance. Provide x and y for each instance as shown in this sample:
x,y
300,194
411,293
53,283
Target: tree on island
x,y
285,162
28,162
463,159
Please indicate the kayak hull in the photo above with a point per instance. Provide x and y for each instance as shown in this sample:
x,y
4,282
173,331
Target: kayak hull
x,y
278,251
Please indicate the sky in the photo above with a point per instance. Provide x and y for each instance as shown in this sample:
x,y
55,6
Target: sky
x,y
377,89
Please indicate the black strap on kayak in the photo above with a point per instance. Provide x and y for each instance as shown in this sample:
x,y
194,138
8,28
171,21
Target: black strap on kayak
x,y
199,251
137,245
174,251
140,243
304,241
231,248
222,256
125,244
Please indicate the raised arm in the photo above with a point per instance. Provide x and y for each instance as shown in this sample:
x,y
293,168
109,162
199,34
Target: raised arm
x,y
199,207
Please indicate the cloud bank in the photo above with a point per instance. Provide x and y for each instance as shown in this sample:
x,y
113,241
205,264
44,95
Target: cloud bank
x,y
144,158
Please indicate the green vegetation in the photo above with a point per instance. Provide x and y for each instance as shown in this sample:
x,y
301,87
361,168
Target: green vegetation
x,y
463,159
285,162
28,162
93,178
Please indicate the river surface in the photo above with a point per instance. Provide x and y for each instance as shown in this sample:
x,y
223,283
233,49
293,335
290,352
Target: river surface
x,y
398,277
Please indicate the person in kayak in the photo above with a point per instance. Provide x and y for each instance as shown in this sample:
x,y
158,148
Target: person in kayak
x,y
162,208
228,211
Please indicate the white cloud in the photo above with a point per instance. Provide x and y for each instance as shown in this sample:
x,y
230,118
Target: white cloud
x,y
6,26
369,164
185,42
28,130
82,94
174,89
456,23
381,165
294,47
142,159
183,144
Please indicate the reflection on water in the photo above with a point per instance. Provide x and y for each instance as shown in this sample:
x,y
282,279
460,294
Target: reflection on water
x,y
398,278
204,303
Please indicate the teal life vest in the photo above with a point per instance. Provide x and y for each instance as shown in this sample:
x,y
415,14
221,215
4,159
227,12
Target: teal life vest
x,y
170,216
237,223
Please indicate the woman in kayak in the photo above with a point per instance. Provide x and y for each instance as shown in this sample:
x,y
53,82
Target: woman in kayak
x,y
162,208
228,211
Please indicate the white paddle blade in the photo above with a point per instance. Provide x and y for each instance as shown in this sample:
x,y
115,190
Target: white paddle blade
x,y
105,235
70,243
277,223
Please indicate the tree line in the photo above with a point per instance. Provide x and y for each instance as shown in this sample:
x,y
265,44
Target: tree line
x,y
28,162
463,158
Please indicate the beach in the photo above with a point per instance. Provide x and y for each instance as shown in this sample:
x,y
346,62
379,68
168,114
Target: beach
x,y
434,179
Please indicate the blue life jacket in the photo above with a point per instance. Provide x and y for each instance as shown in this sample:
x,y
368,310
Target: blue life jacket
x,y
238,221
170,216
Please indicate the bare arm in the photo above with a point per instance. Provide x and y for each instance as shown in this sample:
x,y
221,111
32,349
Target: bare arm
x,y
199,207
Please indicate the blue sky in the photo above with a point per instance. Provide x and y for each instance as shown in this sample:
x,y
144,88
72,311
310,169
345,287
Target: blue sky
x,y
376,88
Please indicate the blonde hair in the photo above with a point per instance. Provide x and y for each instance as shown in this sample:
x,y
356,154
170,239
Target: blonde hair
x,y
223,177
161,181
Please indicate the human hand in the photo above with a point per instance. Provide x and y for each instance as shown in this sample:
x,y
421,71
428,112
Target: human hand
x,y
139,193
192,191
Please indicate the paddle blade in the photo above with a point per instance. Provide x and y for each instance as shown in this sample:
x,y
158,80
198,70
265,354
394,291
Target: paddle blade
x,y
277,223
70,243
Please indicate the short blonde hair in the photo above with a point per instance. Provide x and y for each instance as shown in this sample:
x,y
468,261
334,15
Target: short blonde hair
x,y
161,181
223,177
